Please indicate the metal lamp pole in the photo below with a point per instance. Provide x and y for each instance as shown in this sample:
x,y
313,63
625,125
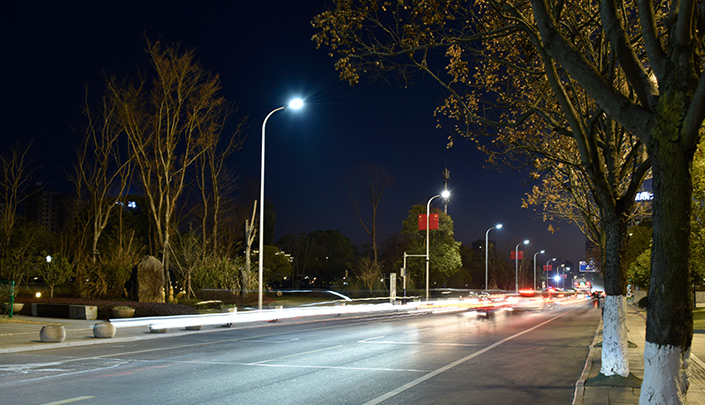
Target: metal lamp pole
x,y
516,265
294,105
547,262
541,252
444,194
487,250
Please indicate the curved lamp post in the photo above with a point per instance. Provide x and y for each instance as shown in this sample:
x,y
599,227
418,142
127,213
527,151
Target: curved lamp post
x,y
294,104
516,265
445,194
541,252
487,249
549,261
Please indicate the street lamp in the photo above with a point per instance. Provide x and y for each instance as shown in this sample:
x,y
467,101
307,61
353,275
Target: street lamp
x,y
487,249
445,194
547,262
294,104
541,252
516,265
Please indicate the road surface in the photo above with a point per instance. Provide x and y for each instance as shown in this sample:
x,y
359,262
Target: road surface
x,y
446,358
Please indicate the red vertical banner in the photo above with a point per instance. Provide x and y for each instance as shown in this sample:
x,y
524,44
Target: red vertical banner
x,y
432,222
547,267
512,255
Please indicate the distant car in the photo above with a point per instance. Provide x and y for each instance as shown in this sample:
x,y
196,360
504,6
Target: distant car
x,y
525,304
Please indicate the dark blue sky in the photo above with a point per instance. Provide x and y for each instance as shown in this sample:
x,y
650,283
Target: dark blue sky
x,y
53,48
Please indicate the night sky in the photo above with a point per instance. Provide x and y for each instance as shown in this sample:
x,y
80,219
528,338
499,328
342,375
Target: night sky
x,y
53,49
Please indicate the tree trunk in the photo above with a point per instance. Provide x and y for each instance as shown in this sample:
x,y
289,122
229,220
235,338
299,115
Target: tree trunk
x,y
669,324
615,360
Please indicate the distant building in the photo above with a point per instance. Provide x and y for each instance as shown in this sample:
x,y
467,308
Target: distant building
x,y
46,208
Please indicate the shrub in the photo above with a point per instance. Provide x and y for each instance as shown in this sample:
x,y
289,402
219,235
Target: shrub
x,y
105,307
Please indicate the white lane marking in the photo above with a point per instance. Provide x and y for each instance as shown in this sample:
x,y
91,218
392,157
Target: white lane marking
x,y
403,370
458,362
68,401
421,343
299,354
260,364
369,339
416,330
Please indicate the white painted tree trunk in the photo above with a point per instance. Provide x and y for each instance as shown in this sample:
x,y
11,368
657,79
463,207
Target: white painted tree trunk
x,y
615,346
665,375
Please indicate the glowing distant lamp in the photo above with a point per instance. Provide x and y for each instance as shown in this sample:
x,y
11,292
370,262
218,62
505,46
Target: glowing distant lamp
x,y
294,104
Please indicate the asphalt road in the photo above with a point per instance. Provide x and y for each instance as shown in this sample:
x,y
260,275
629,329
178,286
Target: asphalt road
x,y
456,358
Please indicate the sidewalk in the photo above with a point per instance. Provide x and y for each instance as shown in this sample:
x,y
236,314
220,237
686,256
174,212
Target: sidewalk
x,y
596,389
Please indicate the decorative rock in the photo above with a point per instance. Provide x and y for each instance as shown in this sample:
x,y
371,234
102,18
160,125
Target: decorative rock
x,y
52,333
104,330
193,327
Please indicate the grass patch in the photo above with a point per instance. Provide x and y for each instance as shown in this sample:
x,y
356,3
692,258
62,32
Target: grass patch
x,y
699,318
5,319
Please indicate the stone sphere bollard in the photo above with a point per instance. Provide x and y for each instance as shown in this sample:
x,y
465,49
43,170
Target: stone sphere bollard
x,y
52,333
104,330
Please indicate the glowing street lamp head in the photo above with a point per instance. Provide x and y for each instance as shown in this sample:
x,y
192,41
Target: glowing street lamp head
x,y
526,242
542,252
445,194
295,104
498,226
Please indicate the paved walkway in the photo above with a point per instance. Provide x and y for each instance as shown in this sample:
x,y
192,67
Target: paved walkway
x,y
595,389
591,389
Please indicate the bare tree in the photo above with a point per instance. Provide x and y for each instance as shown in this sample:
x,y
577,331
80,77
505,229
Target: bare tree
x,y
167,121
214,181
103,170
16,176
371,182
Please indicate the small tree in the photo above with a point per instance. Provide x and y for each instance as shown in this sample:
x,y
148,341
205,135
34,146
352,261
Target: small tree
x,y
367,273
444,250
54,271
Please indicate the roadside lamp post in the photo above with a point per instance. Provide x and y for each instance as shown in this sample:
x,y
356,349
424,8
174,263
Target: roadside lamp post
x,y
445,194
541,252
487,249
516,264
547,262
294,104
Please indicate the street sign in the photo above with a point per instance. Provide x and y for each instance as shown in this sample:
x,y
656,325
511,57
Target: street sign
x,y
587,267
